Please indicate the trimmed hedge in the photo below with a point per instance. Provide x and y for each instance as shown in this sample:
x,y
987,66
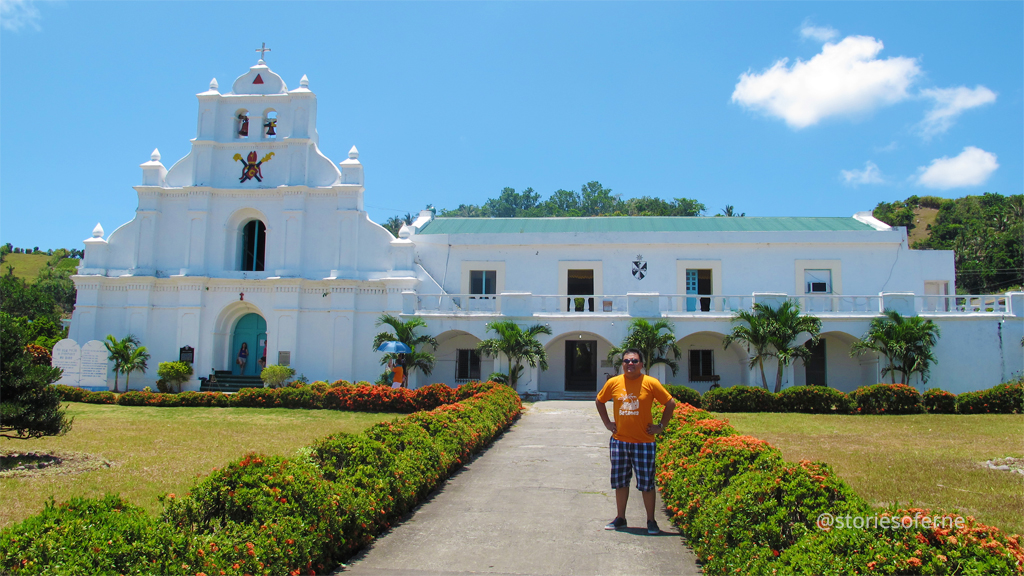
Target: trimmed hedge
x,y
361,398
739,399
887,399
684,394
744,510
813,400
267,514
1006,398
938,401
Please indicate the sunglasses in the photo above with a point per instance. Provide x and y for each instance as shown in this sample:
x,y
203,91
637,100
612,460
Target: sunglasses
x,y
631,361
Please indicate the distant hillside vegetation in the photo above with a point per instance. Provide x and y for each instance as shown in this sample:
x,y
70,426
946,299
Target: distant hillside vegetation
x,y
985,233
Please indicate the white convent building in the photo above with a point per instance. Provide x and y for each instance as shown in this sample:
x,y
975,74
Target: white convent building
x,y
256,236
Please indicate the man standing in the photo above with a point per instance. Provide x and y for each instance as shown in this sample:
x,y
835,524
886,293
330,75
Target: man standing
x,y
632,444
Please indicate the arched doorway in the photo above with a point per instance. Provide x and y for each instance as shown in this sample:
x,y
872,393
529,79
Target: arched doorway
x,y
252,330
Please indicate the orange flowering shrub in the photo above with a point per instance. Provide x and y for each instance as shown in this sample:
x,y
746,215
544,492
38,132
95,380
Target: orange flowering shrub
x,y
887,399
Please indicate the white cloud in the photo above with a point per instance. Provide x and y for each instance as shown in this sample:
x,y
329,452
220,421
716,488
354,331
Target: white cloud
x,y
888,147
949,104
869,175
819,33
844,79
17,14
971,168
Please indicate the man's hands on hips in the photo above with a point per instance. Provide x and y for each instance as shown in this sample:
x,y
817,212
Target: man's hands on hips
x,y
611,427
653,429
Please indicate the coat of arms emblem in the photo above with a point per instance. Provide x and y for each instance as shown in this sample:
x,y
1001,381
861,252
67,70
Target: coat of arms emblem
x,y
250,167
639,267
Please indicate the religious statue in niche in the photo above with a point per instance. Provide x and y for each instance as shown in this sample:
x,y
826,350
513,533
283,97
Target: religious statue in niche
x,y
243,125
250,167
639,267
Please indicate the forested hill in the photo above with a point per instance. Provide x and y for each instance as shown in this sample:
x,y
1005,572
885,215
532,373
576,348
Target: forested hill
x,y
593,199
985,233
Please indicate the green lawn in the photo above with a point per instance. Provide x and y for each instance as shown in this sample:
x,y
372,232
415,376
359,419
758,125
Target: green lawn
x,y
928,460
159,450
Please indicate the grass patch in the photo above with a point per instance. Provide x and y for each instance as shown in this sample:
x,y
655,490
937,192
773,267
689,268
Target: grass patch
x,y
159,450
924,460
923,217
27,266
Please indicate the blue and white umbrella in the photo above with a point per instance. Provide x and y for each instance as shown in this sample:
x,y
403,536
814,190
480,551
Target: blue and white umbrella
x,y
394,347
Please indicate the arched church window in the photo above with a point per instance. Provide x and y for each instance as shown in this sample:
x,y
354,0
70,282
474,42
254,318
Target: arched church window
x,y
270,124
254,245
242,124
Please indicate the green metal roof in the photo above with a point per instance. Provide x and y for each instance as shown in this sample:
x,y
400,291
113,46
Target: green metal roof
x,y
638,224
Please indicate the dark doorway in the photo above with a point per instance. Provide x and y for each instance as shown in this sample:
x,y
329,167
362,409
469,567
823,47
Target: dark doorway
x,y
254,246
581,365
698,282
815,369
580,283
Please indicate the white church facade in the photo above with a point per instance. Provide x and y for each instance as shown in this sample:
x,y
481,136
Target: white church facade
x,y
256,236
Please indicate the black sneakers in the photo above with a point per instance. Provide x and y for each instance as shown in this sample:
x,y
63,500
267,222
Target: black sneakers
x,y
652,528
617,524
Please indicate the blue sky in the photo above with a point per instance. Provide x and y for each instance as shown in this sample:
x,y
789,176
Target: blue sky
x,y
780,109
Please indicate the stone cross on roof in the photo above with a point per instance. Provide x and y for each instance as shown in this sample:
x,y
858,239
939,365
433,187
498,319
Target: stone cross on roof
x,y
263,49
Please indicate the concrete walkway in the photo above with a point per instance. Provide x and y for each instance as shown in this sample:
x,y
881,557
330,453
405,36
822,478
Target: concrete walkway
x,y
535,502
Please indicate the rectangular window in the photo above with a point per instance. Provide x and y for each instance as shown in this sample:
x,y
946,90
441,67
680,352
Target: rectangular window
x,y
702,366
467,365
482,281
817,281
815,372
698,281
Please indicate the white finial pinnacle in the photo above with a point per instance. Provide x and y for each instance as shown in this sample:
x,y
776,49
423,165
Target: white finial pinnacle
x,y
304,82
353,153
97,232
261,62
155,156
214,85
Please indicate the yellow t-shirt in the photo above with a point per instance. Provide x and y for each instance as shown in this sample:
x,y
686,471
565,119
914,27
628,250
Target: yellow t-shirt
x,y
633,399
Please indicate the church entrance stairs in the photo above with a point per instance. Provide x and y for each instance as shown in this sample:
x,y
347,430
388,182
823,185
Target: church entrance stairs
x,y
535,502
225,381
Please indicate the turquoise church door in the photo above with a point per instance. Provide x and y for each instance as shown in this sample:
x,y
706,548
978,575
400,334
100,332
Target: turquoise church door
x,y
252,330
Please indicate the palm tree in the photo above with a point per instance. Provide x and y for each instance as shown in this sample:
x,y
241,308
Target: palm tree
x,y
786,324
906,343
405,332
120,352
136,362
652,342
756,335
517,345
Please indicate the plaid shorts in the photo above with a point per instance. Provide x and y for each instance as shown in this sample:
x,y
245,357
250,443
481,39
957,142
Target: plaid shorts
x,y
629,456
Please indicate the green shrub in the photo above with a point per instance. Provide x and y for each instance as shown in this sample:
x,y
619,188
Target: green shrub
x,y
275,375
173,374
973,549
1006,398
104,397
938,401
887,399
319,386
813,400
90,536
71,393
738,399
684,394
340,383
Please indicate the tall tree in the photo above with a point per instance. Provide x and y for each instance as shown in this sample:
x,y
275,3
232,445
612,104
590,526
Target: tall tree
x,y
786,323
29,406
756,335
405,332
656,341
120,352
905,342
517,345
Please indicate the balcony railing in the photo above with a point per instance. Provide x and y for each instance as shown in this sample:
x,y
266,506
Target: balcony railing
x,y
691,305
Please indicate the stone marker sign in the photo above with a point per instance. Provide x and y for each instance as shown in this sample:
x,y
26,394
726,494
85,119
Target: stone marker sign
x,y
68,357
94,364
